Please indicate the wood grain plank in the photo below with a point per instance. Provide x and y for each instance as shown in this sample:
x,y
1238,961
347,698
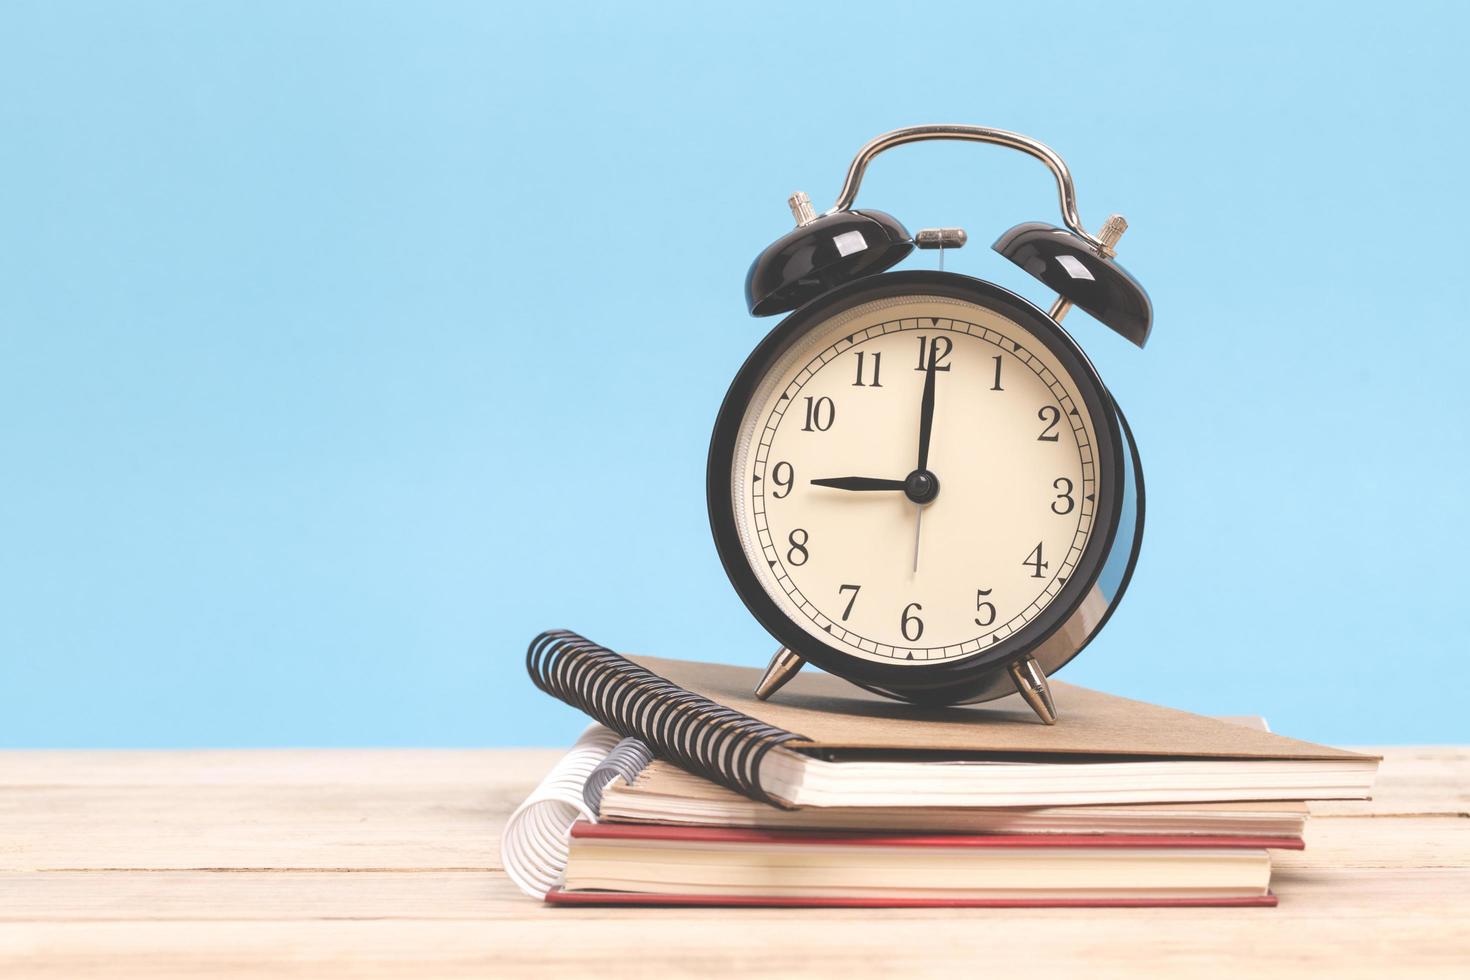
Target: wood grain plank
x,y
261,809
1249,942
193,896
1412,781
272,767
368,826
1375,842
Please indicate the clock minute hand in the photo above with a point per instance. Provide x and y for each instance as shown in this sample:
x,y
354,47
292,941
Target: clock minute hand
x,y
926,409
858,483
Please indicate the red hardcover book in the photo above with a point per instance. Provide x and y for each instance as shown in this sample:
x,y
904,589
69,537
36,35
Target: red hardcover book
x,y
636,864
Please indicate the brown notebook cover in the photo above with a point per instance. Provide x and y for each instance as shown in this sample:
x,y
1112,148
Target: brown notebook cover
x,y
830,714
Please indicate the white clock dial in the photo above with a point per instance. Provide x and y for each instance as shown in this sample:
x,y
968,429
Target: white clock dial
x,y
855,561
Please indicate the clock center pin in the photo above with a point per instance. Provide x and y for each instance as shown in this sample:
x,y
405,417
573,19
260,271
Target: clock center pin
x,y
921,486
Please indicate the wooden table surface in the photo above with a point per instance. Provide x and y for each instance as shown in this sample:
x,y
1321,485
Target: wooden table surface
x,y
384,863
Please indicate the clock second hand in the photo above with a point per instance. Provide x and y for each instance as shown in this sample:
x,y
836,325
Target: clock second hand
x,y
918,524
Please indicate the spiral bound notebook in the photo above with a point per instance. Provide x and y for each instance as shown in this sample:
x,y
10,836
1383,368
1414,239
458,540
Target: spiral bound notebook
x,y
824,743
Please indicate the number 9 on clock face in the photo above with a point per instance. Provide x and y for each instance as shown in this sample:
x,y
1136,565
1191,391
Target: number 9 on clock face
x,y
915,483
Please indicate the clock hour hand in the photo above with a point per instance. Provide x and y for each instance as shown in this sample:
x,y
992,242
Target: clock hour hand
x,y
859,483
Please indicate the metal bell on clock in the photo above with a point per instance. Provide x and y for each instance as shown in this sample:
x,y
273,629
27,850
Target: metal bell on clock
x,y
821,252
1082,275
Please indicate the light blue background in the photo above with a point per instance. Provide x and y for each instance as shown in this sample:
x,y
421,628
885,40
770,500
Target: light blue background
x,y
343,347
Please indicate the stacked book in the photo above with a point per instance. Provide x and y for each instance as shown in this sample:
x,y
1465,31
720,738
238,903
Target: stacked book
x,y
691,791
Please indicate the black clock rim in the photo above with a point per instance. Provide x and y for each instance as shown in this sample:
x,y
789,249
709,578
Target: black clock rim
x,y
951,680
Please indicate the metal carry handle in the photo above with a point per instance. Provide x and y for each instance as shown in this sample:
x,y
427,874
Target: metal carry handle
x,y
977,134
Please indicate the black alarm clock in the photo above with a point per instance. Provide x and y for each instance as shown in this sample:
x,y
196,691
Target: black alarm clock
x,y
917,480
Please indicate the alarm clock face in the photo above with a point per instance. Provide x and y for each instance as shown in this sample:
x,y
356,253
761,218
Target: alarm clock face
x,y
864,537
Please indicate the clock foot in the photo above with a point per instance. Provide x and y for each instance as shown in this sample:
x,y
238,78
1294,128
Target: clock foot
x,y
1031,683
784,666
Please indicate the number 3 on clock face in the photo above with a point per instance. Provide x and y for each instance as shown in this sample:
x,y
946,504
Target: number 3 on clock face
x,y
916,479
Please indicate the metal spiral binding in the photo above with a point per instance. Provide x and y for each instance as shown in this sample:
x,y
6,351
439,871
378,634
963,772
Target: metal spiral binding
x,y
721,744
535,843
626,759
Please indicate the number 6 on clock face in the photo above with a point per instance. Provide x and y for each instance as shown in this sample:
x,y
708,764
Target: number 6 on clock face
x,y
918,477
